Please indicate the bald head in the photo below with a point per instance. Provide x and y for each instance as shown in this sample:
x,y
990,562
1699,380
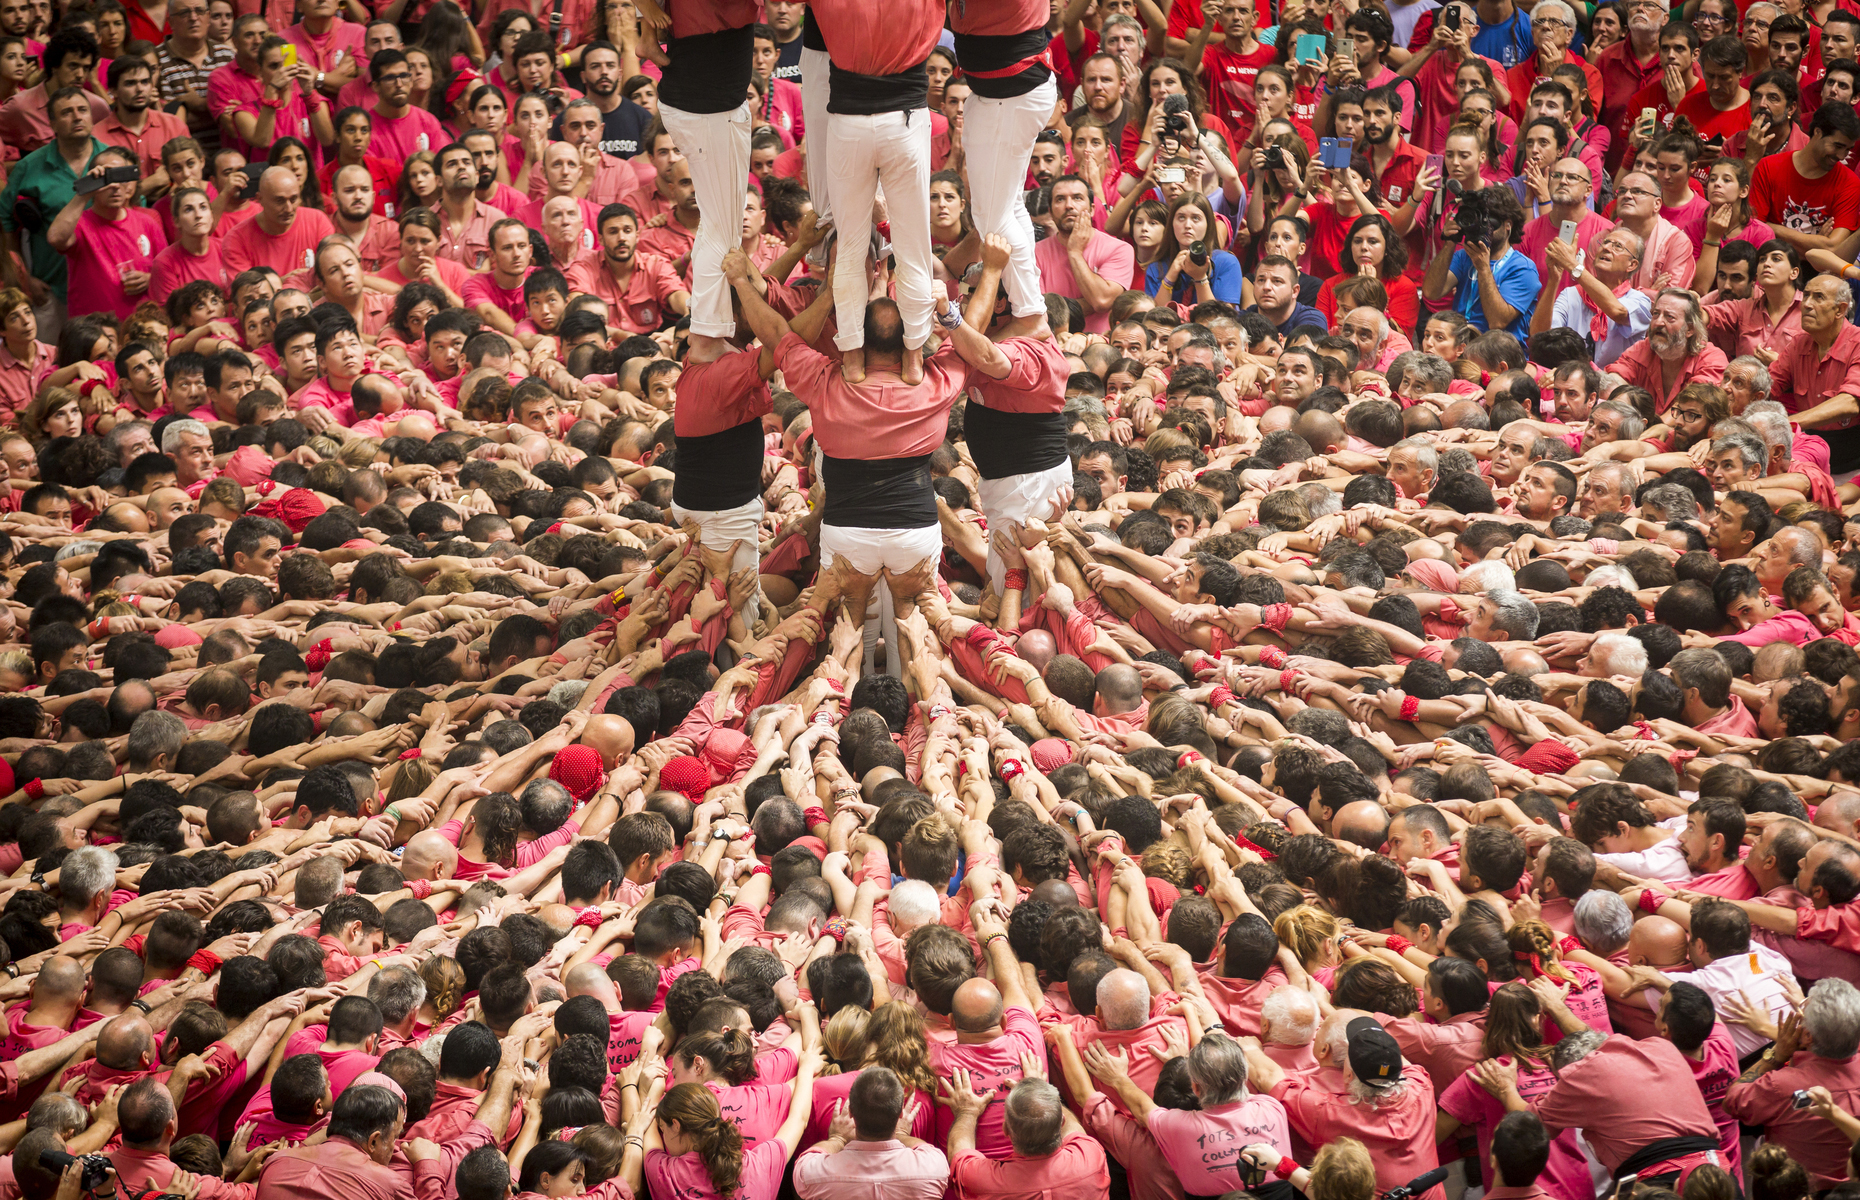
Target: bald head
x,y
1658,942
1120,689
429,856
976,1007
1837,814
1522,660
1123,999
1056,892
279,182
126,1043
1276,418
126,518
1037,646
1323,432
145,1112
611,736
586,979
1362,823
62,978
416,425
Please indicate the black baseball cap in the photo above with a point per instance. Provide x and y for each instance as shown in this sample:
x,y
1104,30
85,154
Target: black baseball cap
x,y
1374,1056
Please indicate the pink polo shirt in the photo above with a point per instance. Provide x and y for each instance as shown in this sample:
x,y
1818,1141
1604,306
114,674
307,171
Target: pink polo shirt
x,y
1108,257
1076,1171
101,251
887,1170
484,289
1811,1141
1446,1050
175,266
469,245
250,245
641,307
1605,1094
1566,1175
685,1177
19,381
327,52
1398,1135
397,139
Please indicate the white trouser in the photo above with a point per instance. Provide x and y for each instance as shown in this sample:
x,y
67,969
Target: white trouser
x,y
997,136
869,551
816,68
1018,498
893,149
717,147
720,527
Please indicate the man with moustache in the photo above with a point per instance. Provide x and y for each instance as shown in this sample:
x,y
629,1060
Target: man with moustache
x,y
641,290
375,238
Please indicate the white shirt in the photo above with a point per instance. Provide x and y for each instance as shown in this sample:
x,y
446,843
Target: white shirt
x,y
1571,313
1758,974
1665,861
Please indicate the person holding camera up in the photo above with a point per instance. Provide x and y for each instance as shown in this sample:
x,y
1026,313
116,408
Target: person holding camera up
x,y
1486,280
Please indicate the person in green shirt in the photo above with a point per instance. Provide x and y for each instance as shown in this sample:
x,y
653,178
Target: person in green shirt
x,y
46,177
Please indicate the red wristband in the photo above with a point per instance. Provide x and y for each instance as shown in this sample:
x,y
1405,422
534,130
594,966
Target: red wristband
x,y
1221,696
1650,900
35,788
1410,707
421,888
1186,757
1014,580
1399,944
1011,768
814,815
758,869
1275,617
205,961
590,916
1568,946
1272,657
407,754
1287,678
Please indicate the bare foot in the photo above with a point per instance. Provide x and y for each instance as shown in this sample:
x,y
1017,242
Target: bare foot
x,y
914,366
852,366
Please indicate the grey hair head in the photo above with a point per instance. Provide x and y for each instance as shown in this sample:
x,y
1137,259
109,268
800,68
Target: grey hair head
x,y
171,436
1749,447
1832,1018
397,991
1697,332
154,733
59,1112
85,873
1576,1046
1035,1118
1217,1068
1757,373
1425,456
1603,920
1516,616
1632,423
1678,503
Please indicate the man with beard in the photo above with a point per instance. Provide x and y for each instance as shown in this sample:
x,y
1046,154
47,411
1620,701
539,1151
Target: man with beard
x,y
623,123
465,224
655,200
69,57
701,101
640,289
1102,80
1082,261
1275,288
1569,201
1014,424
1396,163
1544,491
283,234
1675,352
401,130
135,124
1003,48
375,238
1818,377
482,144
1601,302
355,130
1047,161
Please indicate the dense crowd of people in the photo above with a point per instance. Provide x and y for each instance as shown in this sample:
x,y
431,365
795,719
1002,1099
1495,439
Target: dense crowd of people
x,y
718,599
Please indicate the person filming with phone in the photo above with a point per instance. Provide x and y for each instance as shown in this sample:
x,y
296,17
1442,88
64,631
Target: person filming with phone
x,y
109,245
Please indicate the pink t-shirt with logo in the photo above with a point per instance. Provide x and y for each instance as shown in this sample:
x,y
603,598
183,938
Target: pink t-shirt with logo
x,y
102,251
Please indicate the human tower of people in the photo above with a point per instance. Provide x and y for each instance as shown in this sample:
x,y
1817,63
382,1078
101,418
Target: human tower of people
x,y
1002,598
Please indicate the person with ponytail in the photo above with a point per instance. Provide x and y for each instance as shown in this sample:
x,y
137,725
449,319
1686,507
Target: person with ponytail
x,y
1513,1033
1537,950
725,1062
695,1153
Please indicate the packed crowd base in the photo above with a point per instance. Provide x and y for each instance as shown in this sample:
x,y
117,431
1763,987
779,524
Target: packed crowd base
x,y
716,600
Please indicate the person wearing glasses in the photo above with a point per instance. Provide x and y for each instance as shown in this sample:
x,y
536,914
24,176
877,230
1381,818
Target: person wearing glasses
x,y
1668,257
1600,301
1570,186
400,130
182,64
1628,66
1553,25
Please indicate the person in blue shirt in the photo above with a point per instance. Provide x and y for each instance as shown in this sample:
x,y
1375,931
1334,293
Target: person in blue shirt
x,y
1491,284
1504,33
1175,275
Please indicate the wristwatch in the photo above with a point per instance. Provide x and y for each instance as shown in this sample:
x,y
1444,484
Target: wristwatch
x,y
319,79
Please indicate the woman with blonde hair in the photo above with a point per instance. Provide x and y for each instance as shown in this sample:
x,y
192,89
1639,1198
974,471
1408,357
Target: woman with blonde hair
x,y
1314,936
890,1036
694,1153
